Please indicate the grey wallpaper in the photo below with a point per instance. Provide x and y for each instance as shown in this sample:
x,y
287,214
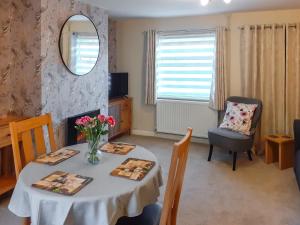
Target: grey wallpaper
x,y
33,78
64,94
112,45
25,57
4,56
20,56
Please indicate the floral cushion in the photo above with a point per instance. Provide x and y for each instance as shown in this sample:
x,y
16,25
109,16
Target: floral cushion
x,y
238,117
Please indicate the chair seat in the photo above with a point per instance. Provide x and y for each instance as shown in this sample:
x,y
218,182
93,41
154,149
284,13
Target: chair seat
x,y
229,139
150,216
228,133
297,167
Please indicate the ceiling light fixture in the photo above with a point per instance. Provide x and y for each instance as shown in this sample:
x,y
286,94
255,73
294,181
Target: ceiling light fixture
x,y
206,2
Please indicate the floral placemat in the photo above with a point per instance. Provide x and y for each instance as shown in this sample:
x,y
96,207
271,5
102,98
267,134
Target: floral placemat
x,y
56,157
133,169
63,183
117,148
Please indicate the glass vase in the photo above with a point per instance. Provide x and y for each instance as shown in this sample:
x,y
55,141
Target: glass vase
x,y
93,155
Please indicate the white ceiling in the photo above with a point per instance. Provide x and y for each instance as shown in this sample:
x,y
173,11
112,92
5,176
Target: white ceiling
x,y
172,8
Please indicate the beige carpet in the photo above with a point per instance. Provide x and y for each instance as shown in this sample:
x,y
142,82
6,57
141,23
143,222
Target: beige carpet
x,y
256,194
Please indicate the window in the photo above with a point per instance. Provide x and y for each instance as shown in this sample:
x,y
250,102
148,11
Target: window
x,y
84,52
185,65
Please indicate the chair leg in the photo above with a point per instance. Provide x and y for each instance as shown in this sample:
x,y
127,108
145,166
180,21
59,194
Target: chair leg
x,y
234,161
211,147
249,155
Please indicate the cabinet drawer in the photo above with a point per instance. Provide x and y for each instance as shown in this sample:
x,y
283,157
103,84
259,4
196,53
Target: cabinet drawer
x,y
4,136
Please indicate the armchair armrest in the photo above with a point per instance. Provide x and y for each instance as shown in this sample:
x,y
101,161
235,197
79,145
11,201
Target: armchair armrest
x,y
297,134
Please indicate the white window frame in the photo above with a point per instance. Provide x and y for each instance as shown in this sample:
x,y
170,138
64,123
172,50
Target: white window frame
x,y
182,33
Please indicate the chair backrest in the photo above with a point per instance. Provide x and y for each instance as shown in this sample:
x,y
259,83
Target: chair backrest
x,y
31,147
175,180
297,134
258,111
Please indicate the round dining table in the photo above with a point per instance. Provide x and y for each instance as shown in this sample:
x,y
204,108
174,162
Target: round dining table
x,y
101,202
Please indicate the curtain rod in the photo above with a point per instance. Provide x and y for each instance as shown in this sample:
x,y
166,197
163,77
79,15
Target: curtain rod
x,y
268,26
189,30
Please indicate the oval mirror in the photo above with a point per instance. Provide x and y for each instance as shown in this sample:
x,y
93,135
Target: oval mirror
x,y
79,45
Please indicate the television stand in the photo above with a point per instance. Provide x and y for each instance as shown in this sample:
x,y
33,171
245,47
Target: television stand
x,y
121,110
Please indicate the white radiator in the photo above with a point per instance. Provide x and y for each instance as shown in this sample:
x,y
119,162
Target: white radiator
x,y
174,116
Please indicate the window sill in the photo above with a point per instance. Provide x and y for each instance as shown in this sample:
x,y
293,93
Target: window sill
x,y
203,102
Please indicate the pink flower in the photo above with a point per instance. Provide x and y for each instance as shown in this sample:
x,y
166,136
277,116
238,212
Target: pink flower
x,y
83,120
101,118
111,121
243,114
78,122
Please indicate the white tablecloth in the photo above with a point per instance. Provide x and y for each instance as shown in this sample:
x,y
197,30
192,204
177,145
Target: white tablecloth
x,y
101,202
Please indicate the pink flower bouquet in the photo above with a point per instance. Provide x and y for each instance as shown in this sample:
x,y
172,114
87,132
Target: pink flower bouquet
x,y
92,128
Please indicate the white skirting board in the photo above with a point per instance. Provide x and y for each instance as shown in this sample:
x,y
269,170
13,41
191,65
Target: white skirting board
x,y
143,133
174,137
174,116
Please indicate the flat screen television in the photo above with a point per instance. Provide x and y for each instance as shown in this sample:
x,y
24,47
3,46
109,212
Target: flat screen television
x,y
117,85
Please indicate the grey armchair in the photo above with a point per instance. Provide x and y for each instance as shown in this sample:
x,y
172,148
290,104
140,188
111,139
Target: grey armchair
x,y
297,150
232,141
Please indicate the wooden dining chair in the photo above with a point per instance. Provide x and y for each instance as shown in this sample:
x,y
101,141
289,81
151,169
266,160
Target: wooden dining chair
x,y
153,214
31,134
32,138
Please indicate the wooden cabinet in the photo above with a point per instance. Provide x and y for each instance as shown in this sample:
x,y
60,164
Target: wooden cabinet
x,y
7,177
4,135
120,109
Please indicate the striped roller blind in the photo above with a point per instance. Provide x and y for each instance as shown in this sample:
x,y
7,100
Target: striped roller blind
x,y
87,50
185,65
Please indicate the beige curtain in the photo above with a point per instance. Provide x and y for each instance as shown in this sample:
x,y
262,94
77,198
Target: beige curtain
x,y
150,41
218,92
292,76
263,73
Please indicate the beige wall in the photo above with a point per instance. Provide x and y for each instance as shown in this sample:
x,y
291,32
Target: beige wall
x,y
130,48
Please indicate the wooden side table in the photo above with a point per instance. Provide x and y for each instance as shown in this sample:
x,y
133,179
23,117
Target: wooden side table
x,y
7,177
279,148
